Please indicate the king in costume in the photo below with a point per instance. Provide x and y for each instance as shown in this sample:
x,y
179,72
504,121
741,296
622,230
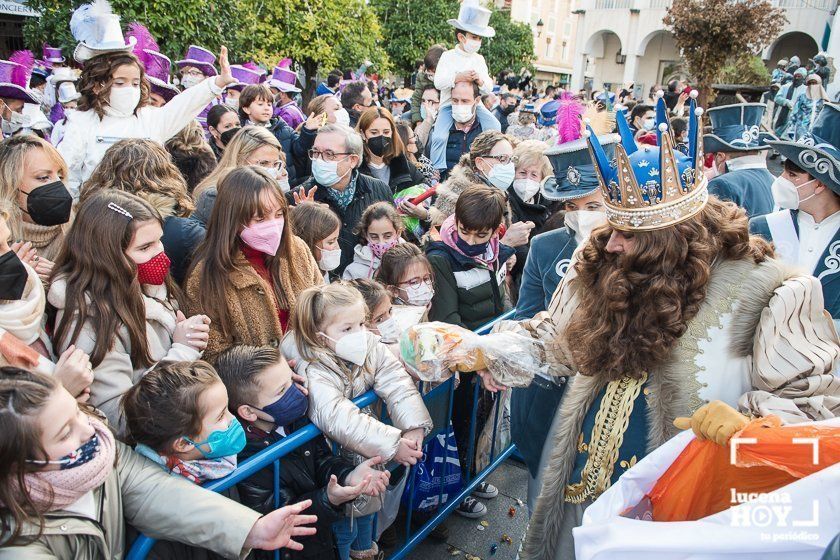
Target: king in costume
x,y
671,306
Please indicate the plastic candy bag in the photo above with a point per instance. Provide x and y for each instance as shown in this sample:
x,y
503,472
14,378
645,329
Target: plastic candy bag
x,y
432,351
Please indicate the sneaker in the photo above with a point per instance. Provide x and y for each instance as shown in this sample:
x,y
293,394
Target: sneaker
x,y
471,508
486,491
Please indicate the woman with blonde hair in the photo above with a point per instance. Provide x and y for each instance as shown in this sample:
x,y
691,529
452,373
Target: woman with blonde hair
x,y
31,181
252,145
385,154
142,167
191,154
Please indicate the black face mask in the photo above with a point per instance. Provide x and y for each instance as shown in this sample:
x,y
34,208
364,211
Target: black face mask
x,y
226,136
50,204
13,277
378,145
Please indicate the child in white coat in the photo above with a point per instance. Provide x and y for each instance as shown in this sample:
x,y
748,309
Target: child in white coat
x,y
115,105
115,298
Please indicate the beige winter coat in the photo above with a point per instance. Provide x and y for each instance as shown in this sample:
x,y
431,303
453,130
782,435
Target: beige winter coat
x,y
161,506
332,386
116,374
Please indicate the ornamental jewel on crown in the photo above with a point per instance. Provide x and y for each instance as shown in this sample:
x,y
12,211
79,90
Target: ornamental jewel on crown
x,y
652,187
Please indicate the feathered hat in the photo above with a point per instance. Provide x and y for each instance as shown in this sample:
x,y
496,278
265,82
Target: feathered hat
x,y
98,31
157,65
652,187
246,74
574,171
14,80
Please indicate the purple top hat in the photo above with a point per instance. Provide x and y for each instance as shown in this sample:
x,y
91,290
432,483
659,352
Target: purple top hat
x,y
245,77
157,72
200,58
13,82
53,55
284,80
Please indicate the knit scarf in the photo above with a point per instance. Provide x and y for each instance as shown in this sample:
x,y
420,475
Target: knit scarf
x,y
40,236
345,197
449,233
196,471
20,326
67,486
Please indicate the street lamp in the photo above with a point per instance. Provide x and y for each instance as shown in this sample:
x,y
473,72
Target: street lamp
x,y
620,58
540,26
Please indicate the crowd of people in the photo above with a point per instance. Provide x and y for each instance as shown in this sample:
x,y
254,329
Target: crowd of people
x,y
194,268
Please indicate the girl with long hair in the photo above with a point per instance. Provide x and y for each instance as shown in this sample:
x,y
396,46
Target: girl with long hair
x,y
115,300
385,154
251,267
67,485
115,105
143,168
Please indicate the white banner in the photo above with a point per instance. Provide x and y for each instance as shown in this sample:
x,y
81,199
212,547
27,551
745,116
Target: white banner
x,y
17,8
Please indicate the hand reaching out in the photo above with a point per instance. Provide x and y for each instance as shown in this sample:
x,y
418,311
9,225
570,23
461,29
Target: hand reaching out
x,y
277,529
377,479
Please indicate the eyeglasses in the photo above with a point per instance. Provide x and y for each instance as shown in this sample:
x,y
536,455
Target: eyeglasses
x,y
505,159
193,72
417,282
327,155
431,102
278,165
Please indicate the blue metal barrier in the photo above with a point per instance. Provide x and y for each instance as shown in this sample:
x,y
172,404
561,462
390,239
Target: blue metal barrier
x,y
271,456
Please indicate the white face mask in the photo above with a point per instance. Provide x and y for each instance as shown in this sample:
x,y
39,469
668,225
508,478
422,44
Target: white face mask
x,y
232,102
342,117
329,259
649,124
462,113
388,330
16,122
351,347
786,193
190,80
526,188
420,296
471,46
502,174
124,100
284,184
583,222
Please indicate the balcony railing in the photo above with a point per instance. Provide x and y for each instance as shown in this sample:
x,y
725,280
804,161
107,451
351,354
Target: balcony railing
x,y
613,4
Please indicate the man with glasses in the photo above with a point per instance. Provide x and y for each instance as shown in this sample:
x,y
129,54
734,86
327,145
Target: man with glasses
x,y
336,182
429,106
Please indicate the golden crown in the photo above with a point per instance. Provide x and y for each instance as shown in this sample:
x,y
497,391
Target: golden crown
x,y
652,187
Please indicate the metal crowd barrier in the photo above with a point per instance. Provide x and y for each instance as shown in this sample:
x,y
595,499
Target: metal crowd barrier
x,y
271,456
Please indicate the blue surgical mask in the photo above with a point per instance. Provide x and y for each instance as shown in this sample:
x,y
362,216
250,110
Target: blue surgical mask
x,y
326,172
501,176
289,408
423,112
222,443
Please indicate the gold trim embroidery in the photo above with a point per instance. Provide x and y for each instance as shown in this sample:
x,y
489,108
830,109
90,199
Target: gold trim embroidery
x,y
611,422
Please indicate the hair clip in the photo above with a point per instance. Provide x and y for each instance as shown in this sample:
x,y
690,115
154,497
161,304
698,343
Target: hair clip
x,y
120,210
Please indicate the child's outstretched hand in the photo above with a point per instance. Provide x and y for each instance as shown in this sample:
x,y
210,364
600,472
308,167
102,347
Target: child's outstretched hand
x,y
338,494
378,478
278,528
408,452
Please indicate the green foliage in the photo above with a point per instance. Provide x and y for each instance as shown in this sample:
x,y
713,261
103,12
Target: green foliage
x,y
175,24
317,34
410,27
512,47
744,69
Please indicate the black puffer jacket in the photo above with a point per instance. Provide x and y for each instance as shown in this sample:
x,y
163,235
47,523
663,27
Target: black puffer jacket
x,y
369,190
304,474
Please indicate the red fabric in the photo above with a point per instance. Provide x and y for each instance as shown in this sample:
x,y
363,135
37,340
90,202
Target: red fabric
x,y
257,261
154,270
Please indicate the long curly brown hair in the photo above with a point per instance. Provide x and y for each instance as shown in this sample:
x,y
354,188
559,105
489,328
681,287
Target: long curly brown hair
x,y
144,168
95,81
636,305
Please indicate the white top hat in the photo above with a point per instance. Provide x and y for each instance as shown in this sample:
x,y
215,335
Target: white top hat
x,y
473,19
67,92
98,31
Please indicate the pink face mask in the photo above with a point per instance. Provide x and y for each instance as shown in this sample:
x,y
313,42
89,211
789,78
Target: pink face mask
x,y
378,249
265,236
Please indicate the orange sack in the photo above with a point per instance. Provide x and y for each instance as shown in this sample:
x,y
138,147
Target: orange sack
x,y
703,481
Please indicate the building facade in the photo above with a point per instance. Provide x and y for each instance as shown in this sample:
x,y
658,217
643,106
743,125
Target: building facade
x,y
623,42
554,28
